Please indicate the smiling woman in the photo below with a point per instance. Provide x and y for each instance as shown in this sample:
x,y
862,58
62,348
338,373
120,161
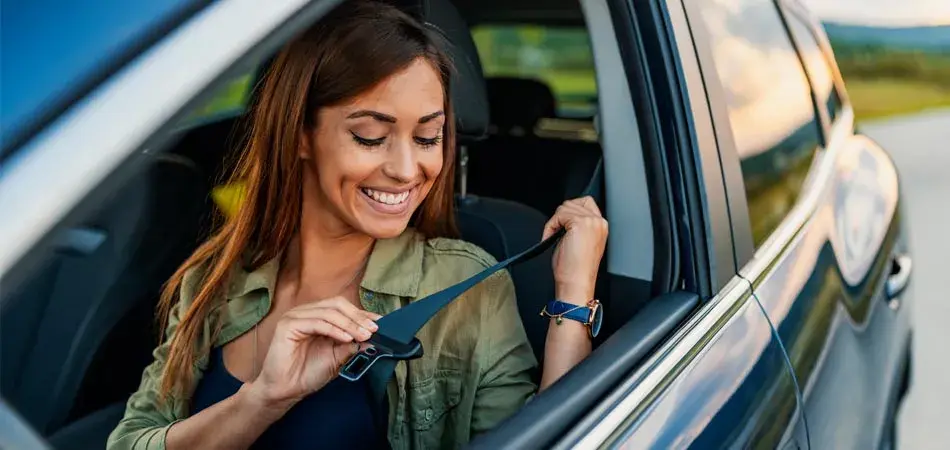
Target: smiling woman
x,y
345,214
375,158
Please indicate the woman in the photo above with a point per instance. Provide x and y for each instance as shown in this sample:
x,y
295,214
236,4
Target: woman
x,y
347,216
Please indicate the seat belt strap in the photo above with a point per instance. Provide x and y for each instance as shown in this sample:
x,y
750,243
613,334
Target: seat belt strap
x,y
395,338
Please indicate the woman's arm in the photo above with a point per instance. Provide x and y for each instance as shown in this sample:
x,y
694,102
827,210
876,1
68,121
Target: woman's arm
x,y
566,345
576,262
148,416
237,422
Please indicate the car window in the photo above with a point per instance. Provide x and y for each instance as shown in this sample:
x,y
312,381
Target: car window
x,y
769,104
817,64
230,100
559,56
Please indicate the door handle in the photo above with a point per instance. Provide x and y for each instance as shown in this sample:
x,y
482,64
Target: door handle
x,y
899,278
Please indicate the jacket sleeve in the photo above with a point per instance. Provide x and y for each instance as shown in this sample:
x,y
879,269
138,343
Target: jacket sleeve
x,y
147,418
507,363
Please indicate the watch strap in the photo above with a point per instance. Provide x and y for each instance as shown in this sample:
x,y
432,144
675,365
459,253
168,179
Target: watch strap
x,y
566,310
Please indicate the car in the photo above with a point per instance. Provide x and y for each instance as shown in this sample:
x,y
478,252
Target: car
x,y
757,276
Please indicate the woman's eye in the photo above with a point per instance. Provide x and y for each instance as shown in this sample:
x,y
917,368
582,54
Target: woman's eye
x,y
366,141
428,142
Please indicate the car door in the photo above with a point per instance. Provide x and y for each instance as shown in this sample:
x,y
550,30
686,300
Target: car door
x,y
723,379
87,144
815,213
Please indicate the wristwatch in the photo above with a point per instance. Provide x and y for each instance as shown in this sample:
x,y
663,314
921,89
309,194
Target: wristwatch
x,y
591,315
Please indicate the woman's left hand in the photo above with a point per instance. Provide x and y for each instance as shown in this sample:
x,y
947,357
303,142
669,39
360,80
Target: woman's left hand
x,y
577,257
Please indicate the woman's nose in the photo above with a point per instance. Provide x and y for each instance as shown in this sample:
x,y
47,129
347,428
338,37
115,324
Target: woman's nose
x,y
401,163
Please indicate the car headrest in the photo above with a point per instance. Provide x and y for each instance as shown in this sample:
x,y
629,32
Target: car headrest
x,y
468,84
518,103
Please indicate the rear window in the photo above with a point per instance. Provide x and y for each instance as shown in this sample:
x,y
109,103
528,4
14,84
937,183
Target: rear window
x,y
559,56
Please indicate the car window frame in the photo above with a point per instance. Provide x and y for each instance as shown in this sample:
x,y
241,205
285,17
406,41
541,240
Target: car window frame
x,y
787,11
617,414
260,35
614,33
76,182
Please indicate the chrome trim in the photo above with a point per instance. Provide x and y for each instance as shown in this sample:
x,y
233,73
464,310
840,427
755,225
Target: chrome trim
x,y
649,381
59,167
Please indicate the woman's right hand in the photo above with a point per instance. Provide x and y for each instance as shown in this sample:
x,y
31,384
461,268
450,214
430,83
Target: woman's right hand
x,y
310,344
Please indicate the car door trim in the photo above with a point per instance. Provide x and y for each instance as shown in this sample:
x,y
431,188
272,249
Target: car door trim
x,y
647,383
149,93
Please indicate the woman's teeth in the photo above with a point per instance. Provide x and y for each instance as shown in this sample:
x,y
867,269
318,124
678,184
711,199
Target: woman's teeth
x,y
387,197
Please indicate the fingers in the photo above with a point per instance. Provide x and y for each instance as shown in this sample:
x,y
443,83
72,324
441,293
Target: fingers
x,y
589,204
581,211
364,318
554,223
299,328
358,324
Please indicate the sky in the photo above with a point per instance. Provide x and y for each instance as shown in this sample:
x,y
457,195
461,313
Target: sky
x,y
883,12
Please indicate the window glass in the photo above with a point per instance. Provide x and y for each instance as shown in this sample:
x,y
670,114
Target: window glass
x,y
230,100
819,69
769,103
559,56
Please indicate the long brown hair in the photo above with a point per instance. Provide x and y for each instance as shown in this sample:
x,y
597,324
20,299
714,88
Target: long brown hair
x,y
356,46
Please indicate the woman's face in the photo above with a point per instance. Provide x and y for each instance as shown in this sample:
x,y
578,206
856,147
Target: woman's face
x,y
372,161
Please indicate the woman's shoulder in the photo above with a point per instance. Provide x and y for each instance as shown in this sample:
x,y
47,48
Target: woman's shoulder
x,y
458,252
448,261
192,281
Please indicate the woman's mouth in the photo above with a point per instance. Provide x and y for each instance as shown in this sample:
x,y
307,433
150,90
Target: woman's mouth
x,y
388,202
387,198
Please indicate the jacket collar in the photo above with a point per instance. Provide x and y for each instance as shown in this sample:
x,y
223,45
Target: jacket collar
x,y
394,268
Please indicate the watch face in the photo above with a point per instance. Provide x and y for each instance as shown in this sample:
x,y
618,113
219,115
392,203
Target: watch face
x,y
596,320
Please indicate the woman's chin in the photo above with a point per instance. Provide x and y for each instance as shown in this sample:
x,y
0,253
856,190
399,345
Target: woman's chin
x,y
385,231
383,227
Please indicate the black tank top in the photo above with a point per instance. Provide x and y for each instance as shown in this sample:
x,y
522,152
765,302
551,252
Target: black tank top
x,y
338,416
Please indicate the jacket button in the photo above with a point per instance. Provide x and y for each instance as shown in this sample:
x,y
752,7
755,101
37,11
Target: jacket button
x,y
428,413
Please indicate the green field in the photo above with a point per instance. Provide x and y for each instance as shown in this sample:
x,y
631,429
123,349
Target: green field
x,y
885,81
875,98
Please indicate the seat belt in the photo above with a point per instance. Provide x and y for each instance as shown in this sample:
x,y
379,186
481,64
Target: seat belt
x,y
395,339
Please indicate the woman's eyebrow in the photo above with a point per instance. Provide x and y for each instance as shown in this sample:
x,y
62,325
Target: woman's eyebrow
x,y
374,114
429,117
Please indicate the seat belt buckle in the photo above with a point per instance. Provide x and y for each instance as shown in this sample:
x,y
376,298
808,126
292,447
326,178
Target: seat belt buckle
x,y
380,347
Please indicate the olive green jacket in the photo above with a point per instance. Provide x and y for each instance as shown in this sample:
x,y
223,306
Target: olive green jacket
x,y
476,370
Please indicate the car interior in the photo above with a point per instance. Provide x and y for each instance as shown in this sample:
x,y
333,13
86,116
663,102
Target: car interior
x,y
78,334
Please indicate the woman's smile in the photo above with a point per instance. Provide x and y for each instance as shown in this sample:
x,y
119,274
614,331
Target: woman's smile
x,y
389,200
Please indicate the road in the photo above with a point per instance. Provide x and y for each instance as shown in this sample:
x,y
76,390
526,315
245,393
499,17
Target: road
x,y
920,144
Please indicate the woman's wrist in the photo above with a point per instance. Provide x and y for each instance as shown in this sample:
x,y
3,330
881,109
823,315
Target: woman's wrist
x,y
253,396
575,293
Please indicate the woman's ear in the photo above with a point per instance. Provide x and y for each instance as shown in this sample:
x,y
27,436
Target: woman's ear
x,y
305,146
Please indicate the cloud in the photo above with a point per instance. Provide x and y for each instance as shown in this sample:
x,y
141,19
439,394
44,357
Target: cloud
x,y
883,12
